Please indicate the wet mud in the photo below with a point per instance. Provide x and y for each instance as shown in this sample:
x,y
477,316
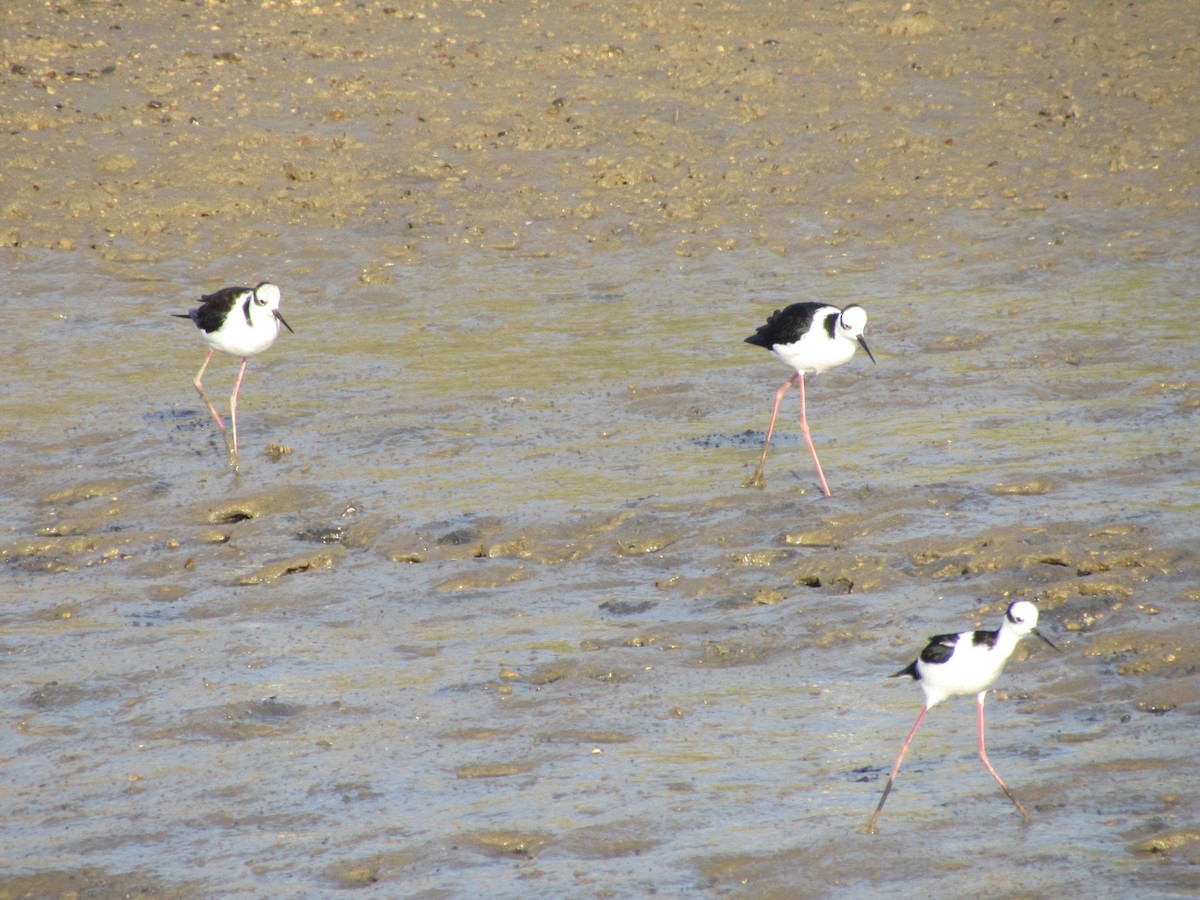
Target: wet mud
x,y
486,608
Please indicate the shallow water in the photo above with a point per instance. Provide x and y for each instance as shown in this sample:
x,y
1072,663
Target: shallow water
x,y
503,620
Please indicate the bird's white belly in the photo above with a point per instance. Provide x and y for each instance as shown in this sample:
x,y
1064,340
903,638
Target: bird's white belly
x,y
964,673
242,340
813,356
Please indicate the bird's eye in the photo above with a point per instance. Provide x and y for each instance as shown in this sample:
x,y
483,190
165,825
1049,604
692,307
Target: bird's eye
x,y
260,301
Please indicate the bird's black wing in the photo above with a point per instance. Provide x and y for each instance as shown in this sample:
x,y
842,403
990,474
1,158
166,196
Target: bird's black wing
x,y
214,307
939,649
785,326
987,638
910,670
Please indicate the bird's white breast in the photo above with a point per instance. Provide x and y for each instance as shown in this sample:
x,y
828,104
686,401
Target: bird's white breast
x,y
813,354
242,338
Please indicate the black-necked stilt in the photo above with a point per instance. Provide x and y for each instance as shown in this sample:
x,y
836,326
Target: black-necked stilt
x,y
965,663
242,321
811,338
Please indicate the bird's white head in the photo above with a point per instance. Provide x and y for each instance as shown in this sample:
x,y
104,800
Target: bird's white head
x,y
853,320
267,295
1022,619
851,323
266,298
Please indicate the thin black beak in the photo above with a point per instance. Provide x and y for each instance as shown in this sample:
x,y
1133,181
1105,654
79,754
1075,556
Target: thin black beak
x,y
1046,639
289,327
862,340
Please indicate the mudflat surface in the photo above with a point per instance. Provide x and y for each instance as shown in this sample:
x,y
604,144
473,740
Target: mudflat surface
x,y
487,609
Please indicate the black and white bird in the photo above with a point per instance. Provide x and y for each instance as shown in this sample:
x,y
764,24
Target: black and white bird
x,y
811,338
965,663
241,321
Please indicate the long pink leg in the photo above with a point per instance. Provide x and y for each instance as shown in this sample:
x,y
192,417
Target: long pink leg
x,y
233,403
808,438
757,479
870,826
988,765
200,390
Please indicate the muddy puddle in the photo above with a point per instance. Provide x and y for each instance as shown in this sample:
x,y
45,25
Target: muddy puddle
x,y
487,609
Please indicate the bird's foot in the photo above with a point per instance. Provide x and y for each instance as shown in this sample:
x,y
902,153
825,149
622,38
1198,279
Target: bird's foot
x,y
755,481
